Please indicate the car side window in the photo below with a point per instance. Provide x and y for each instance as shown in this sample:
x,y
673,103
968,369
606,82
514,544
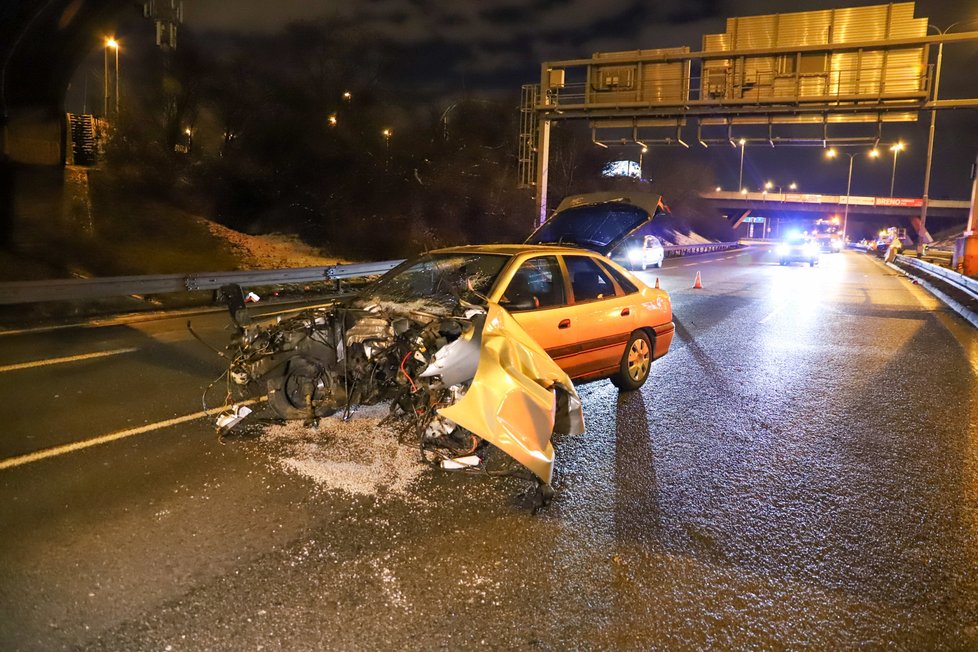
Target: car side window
x,y
651,242
588,280
538,283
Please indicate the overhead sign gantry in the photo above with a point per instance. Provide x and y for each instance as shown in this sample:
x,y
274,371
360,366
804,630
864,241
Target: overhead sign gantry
x,y
791,76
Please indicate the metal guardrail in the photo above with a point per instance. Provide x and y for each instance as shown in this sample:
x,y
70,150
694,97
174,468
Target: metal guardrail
x,y
19,292
960,281
673,251
119,286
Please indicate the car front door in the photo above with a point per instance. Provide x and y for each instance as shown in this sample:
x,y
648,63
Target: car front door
x,y
536,296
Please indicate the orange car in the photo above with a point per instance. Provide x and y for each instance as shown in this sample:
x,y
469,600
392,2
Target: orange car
x,y
590,315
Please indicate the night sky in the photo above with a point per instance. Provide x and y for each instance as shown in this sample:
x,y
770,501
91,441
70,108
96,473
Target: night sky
x,y
493,46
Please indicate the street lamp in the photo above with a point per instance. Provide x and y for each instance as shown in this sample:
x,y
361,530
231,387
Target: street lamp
x,y
347,96
896,149
110,44
641,158
832,153
740,179
332,120
930,133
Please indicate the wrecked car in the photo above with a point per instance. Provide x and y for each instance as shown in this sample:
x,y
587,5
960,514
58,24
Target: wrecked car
x,y
476,349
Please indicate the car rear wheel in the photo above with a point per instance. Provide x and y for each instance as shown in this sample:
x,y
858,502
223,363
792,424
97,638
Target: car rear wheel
x,y
633,370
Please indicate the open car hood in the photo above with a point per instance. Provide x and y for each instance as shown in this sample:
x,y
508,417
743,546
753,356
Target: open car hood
x,y
598,221
518,397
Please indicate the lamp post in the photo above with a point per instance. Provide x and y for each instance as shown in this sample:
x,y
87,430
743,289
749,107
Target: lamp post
x,y
769,185
387,133
740,179
896,149
110,44
930,133
832,153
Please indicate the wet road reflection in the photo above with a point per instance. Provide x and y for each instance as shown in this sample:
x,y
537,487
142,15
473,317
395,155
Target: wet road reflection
x,y
801,471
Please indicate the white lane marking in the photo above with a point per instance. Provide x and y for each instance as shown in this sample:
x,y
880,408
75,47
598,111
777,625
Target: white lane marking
x,y
36,456
689,264
70,358
728,257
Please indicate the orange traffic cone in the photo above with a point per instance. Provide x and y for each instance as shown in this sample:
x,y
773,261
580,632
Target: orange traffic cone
x,y
656,282
698,283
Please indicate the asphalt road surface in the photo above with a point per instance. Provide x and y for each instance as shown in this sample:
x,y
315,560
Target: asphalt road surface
x,y
800,471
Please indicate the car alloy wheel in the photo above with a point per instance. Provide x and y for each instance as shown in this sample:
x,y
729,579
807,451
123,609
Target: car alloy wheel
x,y
634,367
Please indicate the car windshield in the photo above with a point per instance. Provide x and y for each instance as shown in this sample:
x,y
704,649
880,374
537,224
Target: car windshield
x,y
594,226
439,280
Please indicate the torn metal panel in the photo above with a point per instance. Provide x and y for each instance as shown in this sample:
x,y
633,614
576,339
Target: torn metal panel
x,y
512,402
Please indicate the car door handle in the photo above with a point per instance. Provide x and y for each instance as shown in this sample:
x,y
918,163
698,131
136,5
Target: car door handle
x,y
564,323
626,312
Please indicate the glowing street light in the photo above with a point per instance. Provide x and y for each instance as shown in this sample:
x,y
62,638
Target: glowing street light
x,y
347,96
719,189
896,149
387,133
331,119
743,191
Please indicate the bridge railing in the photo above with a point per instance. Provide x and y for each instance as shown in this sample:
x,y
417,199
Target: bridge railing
x,y
23,292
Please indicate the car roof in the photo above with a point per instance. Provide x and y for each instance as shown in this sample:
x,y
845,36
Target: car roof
x,y
515,249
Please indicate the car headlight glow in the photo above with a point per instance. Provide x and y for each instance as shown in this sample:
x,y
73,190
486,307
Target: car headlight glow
x,y
782,249
634,254
810,249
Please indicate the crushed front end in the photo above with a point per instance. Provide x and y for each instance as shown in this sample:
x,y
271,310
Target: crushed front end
x,y
463,379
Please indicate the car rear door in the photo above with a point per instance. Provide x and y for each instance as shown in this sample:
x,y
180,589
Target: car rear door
x,y
599,319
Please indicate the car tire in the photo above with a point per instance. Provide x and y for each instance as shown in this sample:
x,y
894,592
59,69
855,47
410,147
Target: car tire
x,y
658,265
811,263
633,369
303,377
